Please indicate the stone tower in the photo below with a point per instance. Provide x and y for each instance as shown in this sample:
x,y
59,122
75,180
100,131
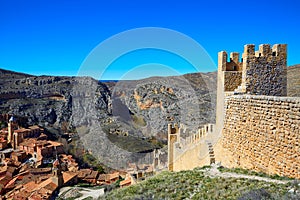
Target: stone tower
x,y
265,70
262,72
12,125
57,173
173,137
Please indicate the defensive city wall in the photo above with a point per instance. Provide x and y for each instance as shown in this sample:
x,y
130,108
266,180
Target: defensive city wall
x,y
262,133
257,126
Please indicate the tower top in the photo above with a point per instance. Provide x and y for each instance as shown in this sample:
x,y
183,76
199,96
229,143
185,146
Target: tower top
x,y
12,119
261,72
265,50
56,163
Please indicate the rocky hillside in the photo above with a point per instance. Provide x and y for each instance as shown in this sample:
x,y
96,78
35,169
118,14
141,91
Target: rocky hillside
x,y
188,99
110,117
117,114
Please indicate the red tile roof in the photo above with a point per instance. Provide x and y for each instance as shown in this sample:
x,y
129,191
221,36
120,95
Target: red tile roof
x,y
125,182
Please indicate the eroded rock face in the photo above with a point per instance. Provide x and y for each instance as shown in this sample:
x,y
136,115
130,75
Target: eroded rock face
x,y
47,100
188,99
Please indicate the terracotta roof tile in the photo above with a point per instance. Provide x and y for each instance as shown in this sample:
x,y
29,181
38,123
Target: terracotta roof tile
x,y
67,176
102,177
30,186
114,175
125,182
92,175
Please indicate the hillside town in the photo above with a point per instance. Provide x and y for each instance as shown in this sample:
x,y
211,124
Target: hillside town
x,y
34,167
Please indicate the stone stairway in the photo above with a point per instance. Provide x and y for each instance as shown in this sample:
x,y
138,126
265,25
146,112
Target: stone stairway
x,y
211,152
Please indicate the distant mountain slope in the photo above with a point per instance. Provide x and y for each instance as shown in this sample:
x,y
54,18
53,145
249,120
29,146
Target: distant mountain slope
x,y
108,111
4,73
103,112
293,84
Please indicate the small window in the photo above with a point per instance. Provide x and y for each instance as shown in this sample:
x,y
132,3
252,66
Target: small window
x,y
274,53
234,68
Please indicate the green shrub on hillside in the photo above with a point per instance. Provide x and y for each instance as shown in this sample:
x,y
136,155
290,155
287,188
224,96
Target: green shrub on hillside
x,y
195,185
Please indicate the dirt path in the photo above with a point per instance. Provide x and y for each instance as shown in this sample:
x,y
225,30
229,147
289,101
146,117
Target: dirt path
x,y
71,192
215,172
94,193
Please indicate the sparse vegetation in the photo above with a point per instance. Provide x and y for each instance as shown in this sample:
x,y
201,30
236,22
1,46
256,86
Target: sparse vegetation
x,y
139,120
253,173
194,184
131,143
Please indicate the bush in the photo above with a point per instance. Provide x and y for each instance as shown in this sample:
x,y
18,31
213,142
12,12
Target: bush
x,y
194,184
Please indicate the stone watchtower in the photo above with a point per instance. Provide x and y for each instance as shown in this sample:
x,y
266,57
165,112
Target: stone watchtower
x,y
57,177
12,125
262,72
173,137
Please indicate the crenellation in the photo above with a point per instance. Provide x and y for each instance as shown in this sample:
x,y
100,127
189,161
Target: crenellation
x,y
234,57
265,73
279,50
249,51
264,50
222,60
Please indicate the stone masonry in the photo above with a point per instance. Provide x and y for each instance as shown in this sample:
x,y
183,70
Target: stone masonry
x,y
261,72
264,71
263,134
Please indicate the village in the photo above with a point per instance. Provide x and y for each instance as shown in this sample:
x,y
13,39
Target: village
x,y
34,167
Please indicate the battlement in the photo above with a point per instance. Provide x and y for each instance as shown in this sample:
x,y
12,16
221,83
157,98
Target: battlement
x,y
178,146
265,50
232,65
261,72
173,129
235,63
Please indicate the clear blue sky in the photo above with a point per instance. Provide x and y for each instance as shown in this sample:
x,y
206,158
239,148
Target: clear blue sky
x,y
54,37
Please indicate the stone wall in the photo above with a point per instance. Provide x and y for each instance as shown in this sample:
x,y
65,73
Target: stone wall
x,y
264,71
192,157
190,152
262,133
232,80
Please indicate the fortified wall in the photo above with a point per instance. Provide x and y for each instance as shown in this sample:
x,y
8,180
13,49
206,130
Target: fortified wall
x,y
190,152
263,134
257,126
261,72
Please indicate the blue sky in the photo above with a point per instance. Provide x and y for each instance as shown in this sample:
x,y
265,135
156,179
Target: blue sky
x,y
55,37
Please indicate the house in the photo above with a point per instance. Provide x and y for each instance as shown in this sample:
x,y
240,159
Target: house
x,y
88,175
